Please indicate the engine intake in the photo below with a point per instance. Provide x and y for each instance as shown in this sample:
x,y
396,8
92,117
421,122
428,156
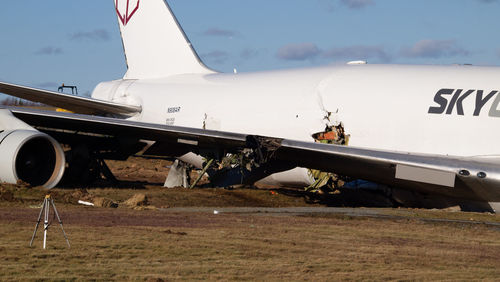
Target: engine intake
x,y
31,156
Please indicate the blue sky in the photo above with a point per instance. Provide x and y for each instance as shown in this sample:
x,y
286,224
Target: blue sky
x,y
46,43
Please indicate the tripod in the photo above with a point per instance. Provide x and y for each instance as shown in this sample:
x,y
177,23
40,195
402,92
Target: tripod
x,y
47,202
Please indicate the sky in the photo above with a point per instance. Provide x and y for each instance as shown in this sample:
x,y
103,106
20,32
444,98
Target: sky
x,y
46,43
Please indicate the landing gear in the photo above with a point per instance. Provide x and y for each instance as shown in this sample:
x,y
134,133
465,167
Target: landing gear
x,y
85,167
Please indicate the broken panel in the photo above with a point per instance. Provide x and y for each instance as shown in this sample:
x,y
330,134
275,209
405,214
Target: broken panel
x,y
327,181
333,134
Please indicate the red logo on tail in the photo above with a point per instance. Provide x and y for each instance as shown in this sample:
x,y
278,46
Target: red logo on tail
x,y
125,17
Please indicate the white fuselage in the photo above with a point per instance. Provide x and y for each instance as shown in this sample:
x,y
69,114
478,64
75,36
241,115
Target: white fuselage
x,y
382,107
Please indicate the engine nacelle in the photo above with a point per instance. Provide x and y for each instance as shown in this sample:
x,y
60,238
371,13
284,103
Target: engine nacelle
x,y
31,156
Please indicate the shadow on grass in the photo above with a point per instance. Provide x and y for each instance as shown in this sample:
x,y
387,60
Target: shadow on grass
x,y
346,198
120,184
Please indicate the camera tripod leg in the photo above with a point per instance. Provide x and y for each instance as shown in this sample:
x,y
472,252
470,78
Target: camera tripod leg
x,y
60,222
37,223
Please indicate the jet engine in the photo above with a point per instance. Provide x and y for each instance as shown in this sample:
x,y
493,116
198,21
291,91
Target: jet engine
x,y
28,155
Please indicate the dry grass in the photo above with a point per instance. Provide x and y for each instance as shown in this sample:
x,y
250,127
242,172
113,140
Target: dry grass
x,y
123,244
162,197
153,245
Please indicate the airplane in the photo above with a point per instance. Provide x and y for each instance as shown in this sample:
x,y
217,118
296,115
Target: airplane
x,y
426,129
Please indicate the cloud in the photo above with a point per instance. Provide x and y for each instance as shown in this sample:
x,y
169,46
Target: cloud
x,y
249,53
358,53
216,56
357,4
434,49
309,51
49,50
298,52
94,35
220,32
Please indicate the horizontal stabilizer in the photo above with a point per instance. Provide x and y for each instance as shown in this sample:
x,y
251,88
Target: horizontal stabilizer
x,y
77,104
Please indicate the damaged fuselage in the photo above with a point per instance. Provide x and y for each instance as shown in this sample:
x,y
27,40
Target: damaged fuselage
x,y
366,106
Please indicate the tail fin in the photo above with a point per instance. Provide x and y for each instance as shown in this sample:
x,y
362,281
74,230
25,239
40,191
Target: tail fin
x,y
155,44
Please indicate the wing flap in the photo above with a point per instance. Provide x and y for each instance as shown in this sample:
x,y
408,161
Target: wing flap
x,y
131,129
435,173
77,104
458,177
425,175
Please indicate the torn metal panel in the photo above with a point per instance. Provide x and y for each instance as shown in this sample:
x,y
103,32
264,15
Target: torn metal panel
x,y
193,159
210,122
264,148
178,175
495,206
333,134
249,164
325,181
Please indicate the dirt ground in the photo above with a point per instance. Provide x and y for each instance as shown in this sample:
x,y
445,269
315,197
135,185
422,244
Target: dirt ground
x,y
149,233
162,245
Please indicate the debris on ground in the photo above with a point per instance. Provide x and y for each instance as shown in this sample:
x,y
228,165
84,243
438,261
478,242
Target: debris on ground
x,y
102,202
82,194
75,196
6,195
83,197
85,203
22,184
325,182
138,202
453,209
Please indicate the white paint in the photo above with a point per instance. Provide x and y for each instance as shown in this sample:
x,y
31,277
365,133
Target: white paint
x,y
177,176
193,159
14,134
495,206
9,122
297,177
382,107
387,111
155,46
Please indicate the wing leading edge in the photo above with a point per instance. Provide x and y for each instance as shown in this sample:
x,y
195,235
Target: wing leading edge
x,y
457,177
73,103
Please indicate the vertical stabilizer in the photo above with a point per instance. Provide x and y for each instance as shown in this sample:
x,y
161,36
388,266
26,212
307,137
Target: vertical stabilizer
x,y
155,45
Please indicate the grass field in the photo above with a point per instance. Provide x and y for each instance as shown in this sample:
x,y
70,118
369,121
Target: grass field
x,y
125,244
160,243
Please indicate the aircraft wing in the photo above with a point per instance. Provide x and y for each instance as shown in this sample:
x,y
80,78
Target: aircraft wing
x,y
434,174
77,104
